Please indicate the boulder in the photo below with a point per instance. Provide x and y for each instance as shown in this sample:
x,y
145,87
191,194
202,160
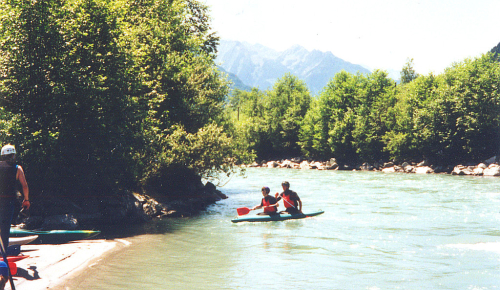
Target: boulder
x,y
409,169
492,171
423,164
286,164
478,171
388,164
423,170
151,208
389,169
60,222
331,162
304,165
317,165
333,167
482,165
272,164
462,170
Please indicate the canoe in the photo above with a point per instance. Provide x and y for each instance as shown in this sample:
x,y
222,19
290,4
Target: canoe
x,y
55,236
276,217
22,240
15,258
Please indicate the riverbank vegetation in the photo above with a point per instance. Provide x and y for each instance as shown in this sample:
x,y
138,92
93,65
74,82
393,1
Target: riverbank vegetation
x,y
102,96
445,119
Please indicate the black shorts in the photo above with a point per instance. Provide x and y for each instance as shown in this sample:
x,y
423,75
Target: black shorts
x,y
292,210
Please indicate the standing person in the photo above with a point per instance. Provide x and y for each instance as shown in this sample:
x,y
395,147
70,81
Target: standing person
x,y
10,173
291,199
269,203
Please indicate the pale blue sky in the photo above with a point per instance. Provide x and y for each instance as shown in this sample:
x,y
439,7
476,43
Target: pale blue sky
x,y
375,33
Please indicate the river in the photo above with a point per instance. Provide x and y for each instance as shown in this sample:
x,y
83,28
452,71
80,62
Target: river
x,y
379,231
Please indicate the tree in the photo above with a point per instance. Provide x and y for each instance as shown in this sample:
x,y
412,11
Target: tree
x,y
412,119
289,101
472,128
451,118
97,87
375,96
349,118
66,78
408,74
248,112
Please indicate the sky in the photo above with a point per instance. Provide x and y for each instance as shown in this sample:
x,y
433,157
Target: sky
x,y
378,34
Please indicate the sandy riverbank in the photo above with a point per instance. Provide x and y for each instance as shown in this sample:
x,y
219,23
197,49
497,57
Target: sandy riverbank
x,y
50,266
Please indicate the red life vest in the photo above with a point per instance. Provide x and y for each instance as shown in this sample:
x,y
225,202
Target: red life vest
x,y
267,209
287,201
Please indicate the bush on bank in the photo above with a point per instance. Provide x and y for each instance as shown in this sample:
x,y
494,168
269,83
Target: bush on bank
x,y
104,98
446,119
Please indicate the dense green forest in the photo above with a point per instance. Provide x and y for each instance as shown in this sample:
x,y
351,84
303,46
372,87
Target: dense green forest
x,y
102,96
445,119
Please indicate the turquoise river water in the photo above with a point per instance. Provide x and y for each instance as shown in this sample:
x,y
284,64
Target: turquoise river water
x,y
379,231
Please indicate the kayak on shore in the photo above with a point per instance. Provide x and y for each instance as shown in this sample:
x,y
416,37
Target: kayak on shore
x,y
13,259
22,240
275,217
55,236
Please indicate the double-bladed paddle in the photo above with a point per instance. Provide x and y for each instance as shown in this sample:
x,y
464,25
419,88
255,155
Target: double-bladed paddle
x,y
243,210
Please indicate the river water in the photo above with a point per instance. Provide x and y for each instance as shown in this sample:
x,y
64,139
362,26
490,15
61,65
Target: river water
x,y
379,231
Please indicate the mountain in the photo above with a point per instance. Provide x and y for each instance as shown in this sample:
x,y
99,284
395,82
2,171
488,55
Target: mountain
x,y
496,49
259,66
237,83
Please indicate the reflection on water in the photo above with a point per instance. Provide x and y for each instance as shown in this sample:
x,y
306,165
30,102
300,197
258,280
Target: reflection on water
x,y
379,231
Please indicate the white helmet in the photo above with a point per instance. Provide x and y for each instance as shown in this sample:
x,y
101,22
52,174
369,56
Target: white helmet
x,y
8,149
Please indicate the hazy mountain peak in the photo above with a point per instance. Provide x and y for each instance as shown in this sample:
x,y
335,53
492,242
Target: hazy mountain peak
x,y
260,66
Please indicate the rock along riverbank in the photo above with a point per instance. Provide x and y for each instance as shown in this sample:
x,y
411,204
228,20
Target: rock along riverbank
x,y
489,167
120,210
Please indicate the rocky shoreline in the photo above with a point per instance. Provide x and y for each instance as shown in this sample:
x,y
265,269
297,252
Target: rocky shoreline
x,y
489,167
53,213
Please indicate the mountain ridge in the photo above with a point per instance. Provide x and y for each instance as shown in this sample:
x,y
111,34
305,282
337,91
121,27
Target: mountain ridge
x,y
259,66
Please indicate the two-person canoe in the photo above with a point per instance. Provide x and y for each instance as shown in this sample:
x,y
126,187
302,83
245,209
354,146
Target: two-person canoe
x,y
275,217
22,240
55,236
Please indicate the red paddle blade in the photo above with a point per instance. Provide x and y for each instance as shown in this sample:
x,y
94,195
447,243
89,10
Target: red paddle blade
x,y
243,210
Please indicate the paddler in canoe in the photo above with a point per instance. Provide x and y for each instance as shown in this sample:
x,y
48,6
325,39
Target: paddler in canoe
x,y
291,199
268,203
